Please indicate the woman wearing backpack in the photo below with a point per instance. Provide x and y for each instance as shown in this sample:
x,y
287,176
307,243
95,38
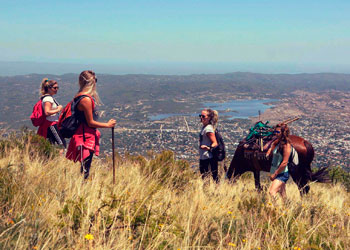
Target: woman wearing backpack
x,y
85,141
207,141
281,151
51,108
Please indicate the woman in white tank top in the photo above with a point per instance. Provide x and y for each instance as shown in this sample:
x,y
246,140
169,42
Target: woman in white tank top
x,y
51,108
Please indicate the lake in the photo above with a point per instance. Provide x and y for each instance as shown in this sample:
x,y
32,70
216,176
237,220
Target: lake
x,y
232,109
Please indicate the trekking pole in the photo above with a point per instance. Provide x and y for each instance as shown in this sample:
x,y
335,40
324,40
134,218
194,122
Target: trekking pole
x,y
113,155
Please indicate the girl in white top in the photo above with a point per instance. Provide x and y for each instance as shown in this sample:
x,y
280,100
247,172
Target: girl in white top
x,y
207,141
51,108
50,104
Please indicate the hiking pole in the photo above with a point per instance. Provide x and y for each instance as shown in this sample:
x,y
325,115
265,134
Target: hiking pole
x,y
113,155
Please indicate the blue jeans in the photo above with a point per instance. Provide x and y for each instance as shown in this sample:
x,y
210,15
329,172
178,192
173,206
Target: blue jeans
x,y
283,177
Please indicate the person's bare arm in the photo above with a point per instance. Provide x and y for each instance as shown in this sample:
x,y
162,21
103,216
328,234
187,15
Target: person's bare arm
x,y
85,105
214,143
48,109
271,149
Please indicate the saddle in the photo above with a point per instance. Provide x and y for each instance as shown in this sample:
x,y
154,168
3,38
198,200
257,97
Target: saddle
x,y
257,147
258,142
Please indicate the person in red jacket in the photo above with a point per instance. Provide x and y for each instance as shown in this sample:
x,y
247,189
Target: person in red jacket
x,y
51,108
85,141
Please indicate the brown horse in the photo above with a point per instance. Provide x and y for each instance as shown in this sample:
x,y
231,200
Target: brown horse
x,y
255,161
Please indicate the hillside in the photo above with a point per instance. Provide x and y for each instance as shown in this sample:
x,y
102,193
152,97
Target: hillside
x,y
156,203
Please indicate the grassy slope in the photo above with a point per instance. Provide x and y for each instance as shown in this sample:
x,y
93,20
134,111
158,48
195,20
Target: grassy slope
x,y
156,203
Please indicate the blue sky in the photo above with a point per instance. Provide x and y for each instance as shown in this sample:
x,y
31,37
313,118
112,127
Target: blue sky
x,y
310,34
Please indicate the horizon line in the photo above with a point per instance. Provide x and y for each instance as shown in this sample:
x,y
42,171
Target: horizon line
x,y
16,68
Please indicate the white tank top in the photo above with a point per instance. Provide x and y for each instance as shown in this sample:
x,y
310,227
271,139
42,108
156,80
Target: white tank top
x,y
50,99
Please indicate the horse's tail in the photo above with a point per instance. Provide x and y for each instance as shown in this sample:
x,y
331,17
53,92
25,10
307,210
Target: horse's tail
x,y
321,175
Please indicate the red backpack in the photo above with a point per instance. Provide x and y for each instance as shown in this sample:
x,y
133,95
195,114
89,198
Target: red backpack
x,y
38,117
68,122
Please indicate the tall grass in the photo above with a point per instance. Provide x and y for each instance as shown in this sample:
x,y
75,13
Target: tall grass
x,y
156,203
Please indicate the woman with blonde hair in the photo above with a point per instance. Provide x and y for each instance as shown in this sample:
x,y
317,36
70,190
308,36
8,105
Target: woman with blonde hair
x,y
207,141
85,141
51,108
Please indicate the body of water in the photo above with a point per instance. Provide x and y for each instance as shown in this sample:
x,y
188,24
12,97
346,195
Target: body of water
x,y
232,109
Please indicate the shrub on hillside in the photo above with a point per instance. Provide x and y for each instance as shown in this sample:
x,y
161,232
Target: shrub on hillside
x,y
168,171
27,142
339,175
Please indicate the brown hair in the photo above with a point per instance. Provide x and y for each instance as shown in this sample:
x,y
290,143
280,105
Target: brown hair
x,y
87,84
213,116
284,139
45,85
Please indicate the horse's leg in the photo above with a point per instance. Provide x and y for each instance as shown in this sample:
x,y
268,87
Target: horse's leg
x,y
302,173
235,171
231,170
236,163
303,185
257,180
301,178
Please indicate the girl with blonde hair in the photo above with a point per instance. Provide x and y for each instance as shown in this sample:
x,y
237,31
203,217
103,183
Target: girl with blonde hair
x,y
51,108
85,142
207,141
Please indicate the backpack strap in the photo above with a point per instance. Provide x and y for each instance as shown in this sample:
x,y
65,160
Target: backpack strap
x,y
292,153
55,101
43,96
78,98
83,131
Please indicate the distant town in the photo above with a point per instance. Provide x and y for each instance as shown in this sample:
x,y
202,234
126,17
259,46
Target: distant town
x,y
324,121
322,101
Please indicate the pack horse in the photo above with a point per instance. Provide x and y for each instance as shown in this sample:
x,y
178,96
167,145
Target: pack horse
x,y
254,159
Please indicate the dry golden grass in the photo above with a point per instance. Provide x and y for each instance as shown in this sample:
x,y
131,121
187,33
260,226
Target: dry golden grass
x,y
157,203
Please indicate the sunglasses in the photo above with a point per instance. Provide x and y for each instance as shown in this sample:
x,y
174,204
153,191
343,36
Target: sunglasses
x,y
276,132
55,88
202,116
95,79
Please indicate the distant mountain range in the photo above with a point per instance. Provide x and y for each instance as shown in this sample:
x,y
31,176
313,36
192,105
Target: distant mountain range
x,y
12,68
19,93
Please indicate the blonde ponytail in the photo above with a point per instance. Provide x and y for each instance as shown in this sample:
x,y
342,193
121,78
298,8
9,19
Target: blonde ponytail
x,y
87,84
45,85
214,117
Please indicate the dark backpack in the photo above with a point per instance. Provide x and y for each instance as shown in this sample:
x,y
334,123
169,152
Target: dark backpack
x,y
69,122
219,152
292,167
38,116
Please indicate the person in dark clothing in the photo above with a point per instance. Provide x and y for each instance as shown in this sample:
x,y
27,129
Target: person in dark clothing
x,y
207,141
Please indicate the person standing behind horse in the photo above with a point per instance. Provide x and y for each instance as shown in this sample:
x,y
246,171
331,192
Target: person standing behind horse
x,y
207,141
85,141
51,108
281,150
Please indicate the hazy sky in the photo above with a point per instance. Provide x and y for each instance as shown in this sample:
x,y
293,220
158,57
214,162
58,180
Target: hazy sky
x,y
249,32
